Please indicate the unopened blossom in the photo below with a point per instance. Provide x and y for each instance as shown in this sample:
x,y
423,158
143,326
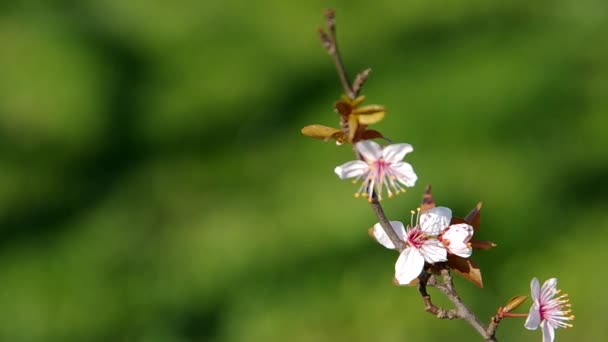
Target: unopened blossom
x,y
454,237
421,246
550,310
381,167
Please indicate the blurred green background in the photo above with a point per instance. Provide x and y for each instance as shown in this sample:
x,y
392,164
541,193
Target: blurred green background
x,y
154,185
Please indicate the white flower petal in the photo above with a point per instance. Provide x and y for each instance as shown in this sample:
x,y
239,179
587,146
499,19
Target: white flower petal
x,y
434,221
383,239
535,289
533,319
408,266
370,150
548,290
456,237
394,153
405,173
461,250
352,169
548,331
433,251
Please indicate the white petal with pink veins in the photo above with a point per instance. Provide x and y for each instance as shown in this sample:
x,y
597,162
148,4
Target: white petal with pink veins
x,y
548,289
383,239
435,220
409,265
548,331
352,169
457,237
404,173
533,319
394,153
370,150
535,289
433,251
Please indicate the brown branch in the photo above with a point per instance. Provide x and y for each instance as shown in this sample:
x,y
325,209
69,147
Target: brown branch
x,y
428,304
385,223
330,44
360,80
493,326
447,287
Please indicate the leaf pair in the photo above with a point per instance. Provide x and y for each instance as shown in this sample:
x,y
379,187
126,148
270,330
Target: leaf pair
x,y
353,122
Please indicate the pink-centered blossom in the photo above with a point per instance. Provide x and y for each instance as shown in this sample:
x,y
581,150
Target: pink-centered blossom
x,y
381,167
422,246
454,237
549,309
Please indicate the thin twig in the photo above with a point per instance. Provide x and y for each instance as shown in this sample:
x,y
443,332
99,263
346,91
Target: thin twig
x,y
360,80
331,45
385,223
493,326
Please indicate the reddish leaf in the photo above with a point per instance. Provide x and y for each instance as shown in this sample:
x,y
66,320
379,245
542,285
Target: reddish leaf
x,y
371,134
481,244
467,268
428,202
343,108
473,218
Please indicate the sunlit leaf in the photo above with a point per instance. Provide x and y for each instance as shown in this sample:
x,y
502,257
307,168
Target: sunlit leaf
x,y
321,132
356,102
369,110
370,119
352,127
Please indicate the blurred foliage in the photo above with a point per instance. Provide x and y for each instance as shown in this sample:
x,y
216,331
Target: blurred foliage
x,y
154,185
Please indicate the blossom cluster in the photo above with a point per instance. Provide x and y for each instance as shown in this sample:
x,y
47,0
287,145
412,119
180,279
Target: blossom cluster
x,y
433,236
429,240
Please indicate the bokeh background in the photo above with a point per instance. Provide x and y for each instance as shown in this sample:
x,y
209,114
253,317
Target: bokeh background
x,y
154,185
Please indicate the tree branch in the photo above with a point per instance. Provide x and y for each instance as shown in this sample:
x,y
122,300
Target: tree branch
x,y
385,223
330,43
447,287
429,307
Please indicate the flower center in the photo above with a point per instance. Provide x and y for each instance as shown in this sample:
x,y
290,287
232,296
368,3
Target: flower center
x,y
416,237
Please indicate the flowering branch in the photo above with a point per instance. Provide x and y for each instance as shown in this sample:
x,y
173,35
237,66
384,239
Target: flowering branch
x,y
329,41
435,242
